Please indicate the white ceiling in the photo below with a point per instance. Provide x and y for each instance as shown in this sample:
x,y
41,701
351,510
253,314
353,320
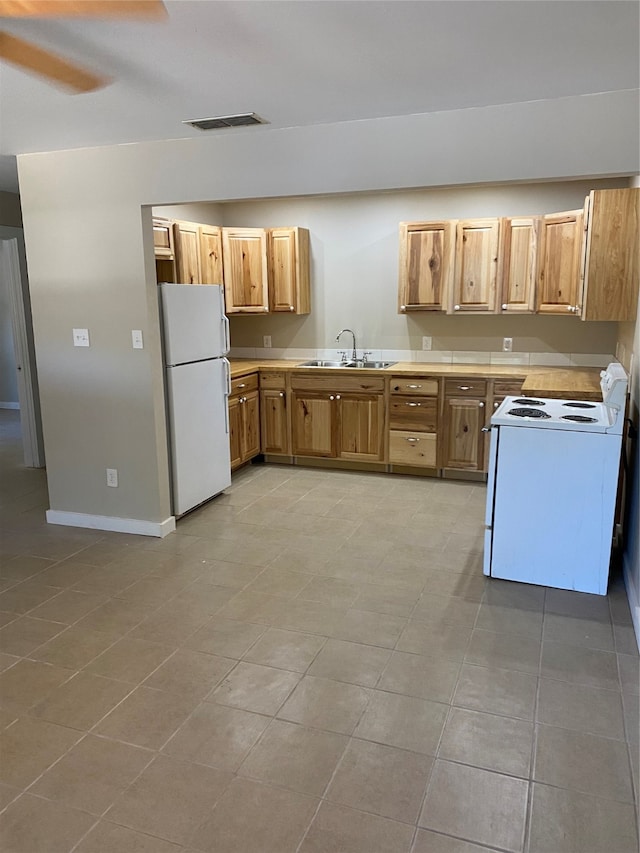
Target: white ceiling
x,y
311,61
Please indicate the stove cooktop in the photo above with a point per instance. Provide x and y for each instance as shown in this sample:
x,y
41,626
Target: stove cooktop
x,y
577,415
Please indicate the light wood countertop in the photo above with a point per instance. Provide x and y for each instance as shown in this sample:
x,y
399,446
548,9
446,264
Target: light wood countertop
x,y
576,383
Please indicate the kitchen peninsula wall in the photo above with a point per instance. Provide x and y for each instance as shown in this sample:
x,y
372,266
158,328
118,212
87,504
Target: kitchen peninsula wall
x,y
354,275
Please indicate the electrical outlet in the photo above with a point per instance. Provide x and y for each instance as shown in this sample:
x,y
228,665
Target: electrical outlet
x,y
136,339
426,342
81,338
507,344
266,341
112,477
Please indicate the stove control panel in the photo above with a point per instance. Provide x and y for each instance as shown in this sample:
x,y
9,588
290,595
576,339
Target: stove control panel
x,y
613,382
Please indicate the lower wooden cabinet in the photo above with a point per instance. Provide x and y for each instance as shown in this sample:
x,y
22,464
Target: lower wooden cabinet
x,y
244,420
465,413
340,419
274,415
413,423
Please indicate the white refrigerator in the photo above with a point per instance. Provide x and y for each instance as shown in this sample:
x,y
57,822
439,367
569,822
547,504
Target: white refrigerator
x,y
195,333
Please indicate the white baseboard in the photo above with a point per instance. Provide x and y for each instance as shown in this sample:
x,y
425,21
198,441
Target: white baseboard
x,y
107,522
9,405
633,594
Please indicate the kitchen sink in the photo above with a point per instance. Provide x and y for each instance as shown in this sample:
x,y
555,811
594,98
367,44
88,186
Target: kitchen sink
x,y
371,365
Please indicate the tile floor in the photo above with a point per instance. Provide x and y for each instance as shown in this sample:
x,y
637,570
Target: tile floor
x,y
313,662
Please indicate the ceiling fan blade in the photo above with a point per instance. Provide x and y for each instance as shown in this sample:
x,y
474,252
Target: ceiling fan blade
x,y
142,9
29,57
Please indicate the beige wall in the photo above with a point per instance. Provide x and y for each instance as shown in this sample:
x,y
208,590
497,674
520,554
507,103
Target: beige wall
x,y
90,252
10,213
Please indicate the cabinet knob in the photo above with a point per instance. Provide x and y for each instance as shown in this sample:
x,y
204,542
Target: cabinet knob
x,y
456,307
481,405
337,396
504,306
495,405
282,393
403,307
291,308
414,404
331,397
266,308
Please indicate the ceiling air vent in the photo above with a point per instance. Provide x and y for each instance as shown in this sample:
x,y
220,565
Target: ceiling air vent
x,y
242,120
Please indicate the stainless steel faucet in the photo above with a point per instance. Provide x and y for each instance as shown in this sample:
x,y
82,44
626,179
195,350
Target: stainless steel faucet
x,y
355,355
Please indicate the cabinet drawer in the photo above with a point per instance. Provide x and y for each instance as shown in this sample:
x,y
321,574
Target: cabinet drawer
x,y
332,383
506,389
415,387
244,384
413,413
465,387
412,448
272,379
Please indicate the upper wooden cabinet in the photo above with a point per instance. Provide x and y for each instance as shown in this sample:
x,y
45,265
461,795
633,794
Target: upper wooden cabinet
x,y
244,255
475,275
559,256
518,264
288,265
210,245
186,237
426,265
612,255
163,238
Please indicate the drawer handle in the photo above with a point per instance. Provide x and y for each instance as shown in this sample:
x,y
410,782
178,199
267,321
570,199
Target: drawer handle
x,y
413,387
412,440
242,385
465,387
414,404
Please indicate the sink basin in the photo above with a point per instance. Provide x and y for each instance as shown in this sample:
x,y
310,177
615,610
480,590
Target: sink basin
x,y
319,362
371,365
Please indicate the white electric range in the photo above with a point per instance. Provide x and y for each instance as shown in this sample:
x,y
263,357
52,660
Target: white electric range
x,y
551,496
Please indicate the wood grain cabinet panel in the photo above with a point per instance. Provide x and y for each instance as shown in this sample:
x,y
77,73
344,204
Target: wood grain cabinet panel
x,y
463,439
273,419
288,263
518,265
418,449
244,420
476,266
413,413
612,261
559,260
186,236
210,246
426,265
360,427
163,238
313,430
244,256
235,432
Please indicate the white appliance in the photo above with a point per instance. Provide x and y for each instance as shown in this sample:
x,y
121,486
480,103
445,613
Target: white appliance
x,y
552,485
195,334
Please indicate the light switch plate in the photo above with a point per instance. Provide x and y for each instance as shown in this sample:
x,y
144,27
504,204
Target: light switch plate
x,y
507,344
266,341
136,339
426,342
81,338
112,477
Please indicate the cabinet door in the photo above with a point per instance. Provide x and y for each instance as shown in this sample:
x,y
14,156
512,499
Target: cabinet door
x,y
559,250
518,264
313,424
426,265
235,432
244,259
289,270
361,427
463,437
476,267
211,254
163,238
612,265
186,237
273,417
250,418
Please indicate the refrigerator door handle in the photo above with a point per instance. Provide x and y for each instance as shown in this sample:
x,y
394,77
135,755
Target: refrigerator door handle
x,y
225,323
227,369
